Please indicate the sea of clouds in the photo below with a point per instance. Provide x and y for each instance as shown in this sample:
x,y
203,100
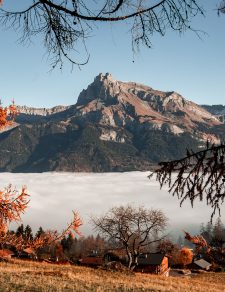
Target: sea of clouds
x,y
53,196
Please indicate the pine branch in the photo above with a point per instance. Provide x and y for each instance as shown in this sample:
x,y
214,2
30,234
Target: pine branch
x,y
199,175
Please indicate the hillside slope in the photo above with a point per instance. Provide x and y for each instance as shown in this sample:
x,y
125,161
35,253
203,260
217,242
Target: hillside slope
x,y
33,276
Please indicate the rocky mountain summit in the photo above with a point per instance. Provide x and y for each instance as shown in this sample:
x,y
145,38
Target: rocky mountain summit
x,y
128,104
114,126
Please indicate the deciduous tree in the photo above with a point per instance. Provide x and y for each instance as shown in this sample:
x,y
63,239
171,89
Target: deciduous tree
x,y
133,229
12,205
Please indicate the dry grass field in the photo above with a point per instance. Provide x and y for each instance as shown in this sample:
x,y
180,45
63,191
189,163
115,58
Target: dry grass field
x,y
18,275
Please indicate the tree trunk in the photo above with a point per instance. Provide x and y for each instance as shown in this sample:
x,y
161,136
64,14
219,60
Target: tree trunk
x,y
130,260
135,261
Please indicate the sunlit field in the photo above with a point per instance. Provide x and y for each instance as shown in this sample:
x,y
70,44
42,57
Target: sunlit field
x,y
18,275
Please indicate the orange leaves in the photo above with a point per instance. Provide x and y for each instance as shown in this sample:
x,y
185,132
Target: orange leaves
x,y
185,256
7,114
30,245
73,228
12,205
49,237
198,240
75,224
3,116
5,253
3,228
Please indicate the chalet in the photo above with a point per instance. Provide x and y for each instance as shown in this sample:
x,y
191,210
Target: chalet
x,y
91,261
201,264
154,263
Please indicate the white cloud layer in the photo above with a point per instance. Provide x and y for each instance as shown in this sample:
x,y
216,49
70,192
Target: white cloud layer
x,y
55,195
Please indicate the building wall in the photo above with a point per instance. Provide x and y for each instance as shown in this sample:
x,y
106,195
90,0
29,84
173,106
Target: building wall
x,y
154,269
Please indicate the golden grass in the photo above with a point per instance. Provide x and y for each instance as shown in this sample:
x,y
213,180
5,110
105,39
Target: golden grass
x,y
18,275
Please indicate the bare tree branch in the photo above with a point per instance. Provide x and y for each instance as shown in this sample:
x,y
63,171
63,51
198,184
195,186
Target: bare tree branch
x,y
221,8
66,25
132,228
199,175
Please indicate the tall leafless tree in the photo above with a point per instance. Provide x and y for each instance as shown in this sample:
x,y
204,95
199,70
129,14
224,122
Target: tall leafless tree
x,y
133,229
66,24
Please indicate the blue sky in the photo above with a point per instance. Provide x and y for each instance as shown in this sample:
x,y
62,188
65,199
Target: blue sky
x,y
191,66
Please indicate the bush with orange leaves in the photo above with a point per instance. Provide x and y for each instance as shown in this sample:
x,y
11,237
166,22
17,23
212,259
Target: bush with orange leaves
x,y
185,256
7,115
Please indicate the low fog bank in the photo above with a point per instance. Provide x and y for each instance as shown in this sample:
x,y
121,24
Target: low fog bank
x,y
55,195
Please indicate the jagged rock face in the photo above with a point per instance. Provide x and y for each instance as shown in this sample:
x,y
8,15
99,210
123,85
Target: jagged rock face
x,y
115,126
125,104
113,103
41,111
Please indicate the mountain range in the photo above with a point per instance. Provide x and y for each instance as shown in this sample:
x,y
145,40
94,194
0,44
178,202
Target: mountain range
x,y
114,126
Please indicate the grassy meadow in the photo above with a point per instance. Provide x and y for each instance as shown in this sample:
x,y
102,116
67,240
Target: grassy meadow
x,y
18,275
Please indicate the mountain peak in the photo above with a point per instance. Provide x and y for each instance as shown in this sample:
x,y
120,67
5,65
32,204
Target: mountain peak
x,y
102,88
102,77
147,126
116,103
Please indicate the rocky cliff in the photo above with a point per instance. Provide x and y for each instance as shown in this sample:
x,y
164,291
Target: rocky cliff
x,y
114,126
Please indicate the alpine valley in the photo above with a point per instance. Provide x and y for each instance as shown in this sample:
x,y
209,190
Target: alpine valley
x,y
114,126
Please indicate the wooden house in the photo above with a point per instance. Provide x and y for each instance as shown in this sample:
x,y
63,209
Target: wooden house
x,y
154,263
91,261
201,264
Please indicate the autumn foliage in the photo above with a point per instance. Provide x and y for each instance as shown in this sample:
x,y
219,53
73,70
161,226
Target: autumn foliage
x,y
12,205
31,245
199,242
185,256
7,114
